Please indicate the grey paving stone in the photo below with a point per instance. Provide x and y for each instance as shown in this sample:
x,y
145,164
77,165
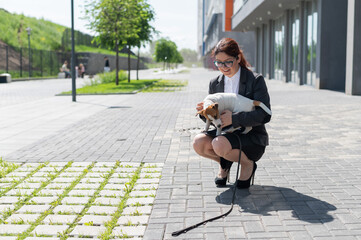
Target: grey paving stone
x,y
9,200
107,201
58,186
124,220
87,186
50,229
75,200
95,219
130,231
68,209
43,200
80,193
142,201
88,231
42,238
118,180
147,180
111,193
50,192
145,187
20,192
61,179
27,218
13,228
91,180
33,209
117,187
141,210
7,238
64,219
102,210
142,193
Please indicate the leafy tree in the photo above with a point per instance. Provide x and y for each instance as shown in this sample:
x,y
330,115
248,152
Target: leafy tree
x,y
145,34
166,52
115,21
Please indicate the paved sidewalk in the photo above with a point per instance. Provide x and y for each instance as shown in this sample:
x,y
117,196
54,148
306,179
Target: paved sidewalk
x,y
307,184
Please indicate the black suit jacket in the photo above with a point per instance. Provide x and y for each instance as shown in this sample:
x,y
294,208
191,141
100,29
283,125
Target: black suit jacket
x,y
254,87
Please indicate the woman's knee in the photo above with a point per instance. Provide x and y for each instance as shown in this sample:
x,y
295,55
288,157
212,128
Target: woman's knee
x,y
221,146
199,143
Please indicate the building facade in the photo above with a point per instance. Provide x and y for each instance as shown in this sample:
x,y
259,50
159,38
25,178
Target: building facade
x,y
214,23
313,42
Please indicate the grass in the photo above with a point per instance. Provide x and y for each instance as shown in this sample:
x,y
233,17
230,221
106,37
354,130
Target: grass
x,y
153,85
111,88
83,48
6,167
166,86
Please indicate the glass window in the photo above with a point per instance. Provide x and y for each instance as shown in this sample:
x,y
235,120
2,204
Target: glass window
x,y
311,42
295,44
279,45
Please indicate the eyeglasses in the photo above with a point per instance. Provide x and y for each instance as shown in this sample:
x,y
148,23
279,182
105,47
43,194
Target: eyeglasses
x,y
227,64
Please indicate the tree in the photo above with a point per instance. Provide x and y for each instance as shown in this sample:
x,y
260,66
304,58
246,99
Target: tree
x,y
166,52
146,14
115,21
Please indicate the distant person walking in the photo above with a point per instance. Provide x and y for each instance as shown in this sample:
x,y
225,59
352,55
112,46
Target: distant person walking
x,y
106,65
65,69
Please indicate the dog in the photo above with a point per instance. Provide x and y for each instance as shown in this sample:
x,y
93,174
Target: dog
x,y
214,104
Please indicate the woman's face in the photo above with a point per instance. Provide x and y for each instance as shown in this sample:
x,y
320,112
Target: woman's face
x,y
224,59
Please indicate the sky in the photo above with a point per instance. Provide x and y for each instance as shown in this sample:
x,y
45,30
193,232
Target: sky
x,y
175,19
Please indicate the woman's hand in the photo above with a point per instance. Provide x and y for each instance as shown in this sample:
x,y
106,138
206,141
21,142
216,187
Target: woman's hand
x,y
226,118
199,106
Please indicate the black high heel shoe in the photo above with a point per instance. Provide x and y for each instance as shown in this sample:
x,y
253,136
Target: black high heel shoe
x,y
226,166
247,183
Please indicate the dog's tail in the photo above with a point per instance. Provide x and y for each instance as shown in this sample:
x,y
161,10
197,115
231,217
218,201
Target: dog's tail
x,y
264,107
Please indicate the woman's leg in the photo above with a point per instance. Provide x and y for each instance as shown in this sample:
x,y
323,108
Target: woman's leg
x,y
202,144
223,148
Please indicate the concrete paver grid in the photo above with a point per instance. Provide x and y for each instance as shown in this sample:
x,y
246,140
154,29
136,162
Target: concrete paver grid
x,y
78,216
307,180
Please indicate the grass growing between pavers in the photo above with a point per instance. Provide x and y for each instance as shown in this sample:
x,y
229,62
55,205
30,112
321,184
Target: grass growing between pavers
x,y
111,224
6,167
45,219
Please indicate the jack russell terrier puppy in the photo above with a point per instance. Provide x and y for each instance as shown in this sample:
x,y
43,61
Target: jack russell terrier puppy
x,y
215,104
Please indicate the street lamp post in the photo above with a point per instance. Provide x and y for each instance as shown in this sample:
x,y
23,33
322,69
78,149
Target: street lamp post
x,y
28,29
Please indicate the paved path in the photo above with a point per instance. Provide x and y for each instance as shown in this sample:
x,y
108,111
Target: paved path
x,y
307,184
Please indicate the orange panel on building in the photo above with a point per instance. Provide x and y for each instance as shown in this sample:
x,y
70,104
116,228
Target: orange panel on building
x,y
228,15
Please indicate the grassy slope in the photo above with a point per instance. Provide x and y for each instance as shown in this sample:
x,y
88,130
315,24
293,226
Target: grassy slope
x,y
44,35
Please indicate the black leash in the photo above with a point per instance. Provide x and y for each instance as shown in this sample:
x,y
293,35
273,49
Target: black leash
x,y
177,233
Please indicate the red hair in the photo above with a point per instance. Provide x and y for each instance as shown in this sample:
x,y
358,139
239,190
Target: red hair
x,y
230,47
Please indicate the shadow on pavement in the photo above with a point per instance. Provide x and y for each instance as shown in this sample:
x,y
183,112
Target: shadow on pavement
x,y
265,199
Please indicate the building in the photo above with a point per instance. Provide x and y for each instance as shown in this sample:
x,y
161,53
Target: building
x,y
214,23
313,42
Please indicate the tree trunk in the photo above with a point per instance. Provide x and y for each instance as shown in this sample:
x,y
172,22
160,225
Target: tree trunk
x,y
128,63
116,64
138,62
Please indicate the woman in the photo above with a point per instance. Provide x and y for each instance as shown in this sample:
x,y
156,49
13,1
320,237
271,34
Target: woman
x,y
237,78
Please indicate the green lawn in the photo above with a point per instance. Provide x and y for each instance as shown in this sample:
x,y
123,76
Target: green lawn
x,y
153,85
111,88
